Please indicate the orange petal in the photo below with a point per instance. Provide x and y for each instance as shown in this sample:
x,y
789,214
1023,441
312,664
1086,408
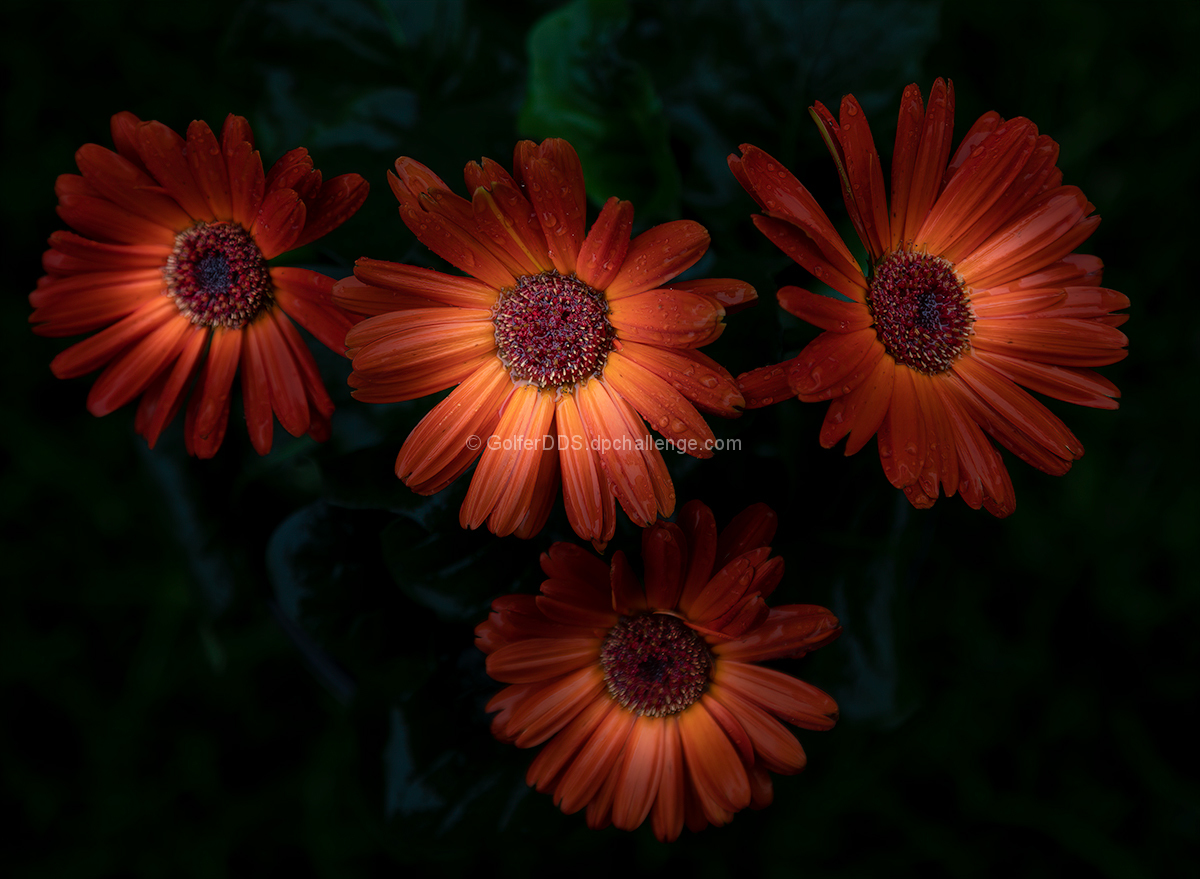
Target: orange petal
x,y
336,202
78,304
72,254
978,185
127,186
628,596
825,312
866,196
729,293
700,531
788,203
695,375
450,437
207,166
307,298
1062,341
929,165
246,179
861,411
789,698
715,771
672,318
540,659
663,407
604,249
902,434
396,282
844,277
279,222
553,179
161,403
445,223
791,630
663,554
658,255
164,153
1081,386
137,366
771,741
503,484
508,220
750,529
833,364
256,388
99,218
639,773
620,457
1051,228
667,812
594,763
547,768
99,349
543,713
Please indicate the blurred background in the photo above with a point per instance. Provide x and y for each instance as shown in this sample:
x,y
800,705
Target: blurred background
x,y
265,665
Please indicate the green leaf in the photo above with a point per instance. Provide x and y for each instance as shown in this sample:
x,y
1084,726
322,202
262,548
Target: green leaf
x,y
584,89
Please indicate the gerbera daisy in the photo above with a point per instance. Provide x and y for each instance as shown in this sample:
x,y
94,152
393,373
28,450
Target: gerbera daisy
x,y
169,263
648,699
560,343
972,290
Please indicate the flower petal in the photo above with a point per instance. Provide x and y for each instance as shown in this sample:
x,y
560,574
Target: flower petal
x,y
786,697
437,451
603,253
663,407
391,282
540,659
586,493
695,375
672,318
658,255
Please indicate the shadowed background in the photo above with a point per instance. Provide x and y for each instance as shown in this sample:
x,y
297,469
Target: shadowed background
x,y
266,664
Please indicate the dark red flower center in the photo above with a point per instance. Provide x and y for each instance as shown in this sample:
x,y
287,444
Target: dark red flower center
x,y
552,330
654,664
922,313
217,275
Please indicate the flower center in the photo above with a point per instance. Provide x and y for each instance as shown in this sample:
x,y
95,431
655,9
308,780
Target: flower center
x,y
654,664
922,313
217,275
552,330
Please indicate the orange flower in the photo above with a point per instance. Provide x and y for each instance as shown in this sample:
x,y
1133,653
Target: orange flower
x,y
559,345
973,289
649,700
171,262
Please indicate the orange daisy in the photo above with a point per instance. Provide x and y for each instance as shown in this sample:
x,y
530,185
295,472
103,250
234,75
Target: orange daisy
x,y
169,263
973,289
648,699
560,343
